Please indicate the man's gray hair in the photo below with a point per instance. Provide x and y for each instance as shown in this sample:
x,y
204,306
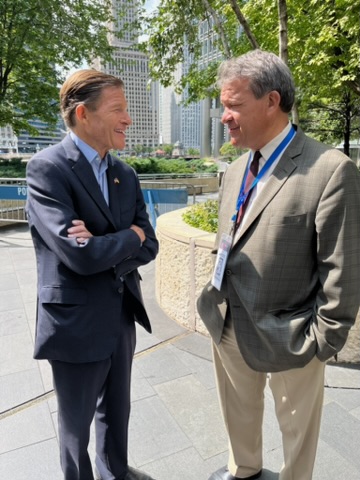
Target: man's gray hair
x,y
266,72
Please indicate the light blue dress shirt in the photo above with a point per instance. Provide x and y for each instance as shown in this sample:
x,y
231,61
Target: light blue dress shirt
x,y
98,165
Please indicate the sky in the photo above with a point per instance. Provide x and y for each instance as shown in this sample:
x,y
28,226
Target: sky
x,y
151,4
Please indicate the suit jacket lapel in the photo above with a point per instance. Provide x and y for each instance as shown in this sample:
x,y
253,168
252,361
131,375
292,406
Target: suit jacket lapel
x,y
114,186
272,186
85,174
283,169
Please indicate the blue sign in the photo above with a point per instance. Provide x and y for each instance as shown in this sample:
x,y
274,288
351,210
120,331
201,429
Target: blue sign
x,y
13,192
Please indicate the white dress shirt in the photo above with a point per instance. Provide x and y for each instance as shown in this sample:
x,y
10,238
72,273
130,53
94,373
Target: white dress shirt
x,y
266,152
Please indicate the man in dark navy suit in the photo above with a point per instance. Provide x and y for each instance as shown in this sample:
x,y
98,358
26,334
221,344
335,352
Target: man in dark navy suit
x,y
91,232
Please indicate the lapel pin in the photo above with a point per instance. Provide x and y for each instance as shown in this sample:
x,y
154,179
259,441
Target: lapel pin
x,y
116,180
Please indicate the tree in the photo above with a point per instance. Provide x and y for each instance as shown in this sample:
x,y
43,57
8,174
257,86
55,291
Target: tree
x,y
325,65
167,148
40,41
334,120
193,151
228,150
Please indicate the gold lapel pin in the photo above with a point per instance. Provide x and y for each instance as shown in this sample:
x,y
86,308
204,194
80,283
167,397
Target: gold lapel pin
x,y
116,180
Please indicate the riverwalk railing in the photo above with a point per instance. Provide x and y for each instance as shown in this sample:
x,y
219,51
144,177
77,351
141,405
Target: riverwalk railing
x,y
13,193
160,196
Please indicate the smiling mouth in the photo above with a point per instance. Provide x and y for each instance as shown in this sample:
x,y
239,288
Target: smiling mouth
x,y
120,131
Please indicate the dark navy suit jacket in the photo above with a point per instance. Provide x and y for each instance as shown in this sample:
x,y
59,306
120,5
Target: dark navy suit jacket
x,y
82,290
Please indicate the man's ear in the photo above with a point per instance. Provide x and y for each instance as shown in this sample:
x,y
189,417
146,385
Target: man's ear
x,y
81,113
274,99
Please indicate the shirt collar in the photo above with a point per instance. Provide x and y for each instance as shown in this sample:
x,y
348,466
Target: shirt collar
x,y
89,153
268,149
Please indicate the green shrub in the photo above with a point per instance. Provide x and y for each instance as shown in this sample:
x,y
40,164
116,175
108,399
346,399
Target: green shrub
x,y
203,216
13,168
164,165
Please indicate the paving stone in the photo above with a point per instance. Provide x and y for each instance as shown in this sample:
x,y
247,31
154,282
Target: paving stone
x,y
27,276
196,410
5,259
8,281
29,426
163,327
175,420
140,387
35,462
144,340
201,368
10,300
13,322
46,375
341,431
356,413
30,310
217,461
23,259
12,395
162,365
331,465
347,398
343,377
52,403
28,284
196,344
186,464
16,353
153,432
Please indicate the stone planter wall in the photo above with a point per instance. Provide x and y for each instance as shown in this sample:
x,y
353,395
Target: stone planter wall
x,y
184,265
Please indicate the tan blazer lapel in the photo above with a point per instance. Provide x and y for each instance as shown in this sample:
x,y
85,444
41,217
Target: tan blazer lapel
x,y
276,180
282,171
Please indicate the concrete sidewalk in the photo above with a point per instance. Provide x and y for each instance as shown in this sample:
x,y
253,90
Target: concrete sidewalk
x,y
176,430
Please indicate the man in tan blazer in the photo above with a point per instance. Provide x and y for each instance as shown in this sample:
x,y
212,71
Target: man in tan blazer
x,y
290,289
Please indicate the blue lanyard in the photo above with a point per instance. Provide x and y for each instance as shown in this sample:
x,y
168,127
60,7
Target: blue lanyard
x,y
243,195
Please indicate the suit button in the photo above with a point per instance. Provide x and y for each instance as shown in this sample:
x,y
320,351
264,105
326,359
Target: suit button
x,y
228,272
121,289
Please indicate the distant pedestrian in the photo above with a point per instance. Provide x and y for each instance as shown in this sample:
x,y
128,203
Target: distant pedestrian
x,y
91,232
286,286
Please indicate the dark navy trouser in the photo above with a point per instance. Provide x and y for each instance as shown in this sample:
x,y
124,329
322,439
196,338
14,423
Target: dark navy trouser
x,y
100,389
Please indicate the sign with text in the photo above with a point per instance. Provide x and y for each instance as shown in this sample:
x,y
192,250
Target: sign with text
x,y
13,192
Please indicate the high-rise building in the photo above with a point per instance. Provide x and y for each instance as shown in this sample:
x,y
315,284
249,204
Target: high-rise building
x,y
30,143
8,140
131,65
196,124
46,136
179,121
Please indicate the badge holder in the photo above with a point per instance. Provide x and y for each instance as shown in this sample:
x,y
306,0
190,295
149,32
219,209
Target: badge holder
x,y
221,259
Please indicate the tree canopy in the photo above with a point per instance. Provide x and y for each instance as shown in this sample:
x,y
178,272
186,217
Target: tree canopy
x,y
323,47
324,36
40,41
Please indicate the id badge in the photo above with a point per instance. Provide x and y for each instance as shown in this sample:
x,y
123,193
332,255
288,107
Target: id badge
x,y
221,259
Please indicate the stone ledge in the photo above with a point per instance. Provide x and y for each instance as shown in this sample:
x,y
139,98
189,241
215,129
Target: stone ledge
x,y
184,265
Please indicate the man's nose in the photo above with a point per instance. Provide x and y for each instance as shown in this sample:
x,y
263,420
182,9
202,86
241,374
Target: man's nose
x,y
128,120
226,116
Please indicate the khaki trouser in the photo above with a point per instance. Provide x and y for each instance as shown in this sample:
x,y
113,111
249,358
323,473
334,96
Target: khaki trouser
x,y
298,395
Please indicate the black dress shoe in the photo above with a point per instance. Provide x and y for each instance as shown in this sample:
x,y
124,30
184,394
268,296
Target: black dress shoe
x,y
132,474
224,474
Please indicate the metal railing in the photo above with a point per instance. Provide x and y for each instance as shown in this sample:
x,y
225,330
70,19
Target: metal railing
x,y
13,193
164,176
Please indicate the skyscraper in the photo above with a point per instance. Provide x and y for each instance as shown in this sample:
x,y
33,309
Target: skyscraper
x,y
195,124
131,65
